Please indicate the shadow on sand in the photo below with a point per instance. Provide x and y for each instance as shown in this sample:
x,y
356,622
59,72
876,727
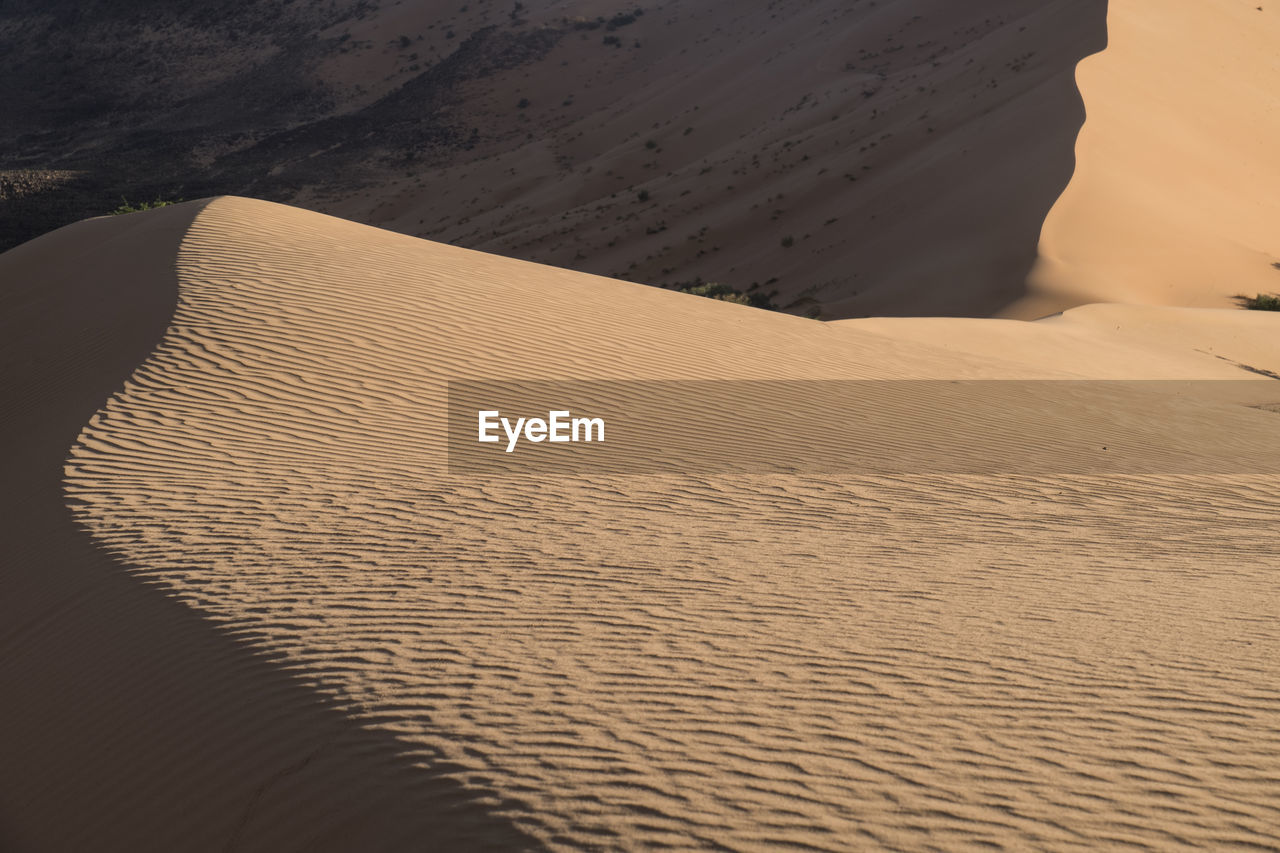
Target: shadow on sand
x,y
1045,184
991,182
129,722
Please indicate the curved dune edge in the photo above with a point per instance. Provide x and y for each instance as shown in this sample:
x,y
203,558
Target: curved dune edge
x,y
1174,199
749,662
933,142
130,722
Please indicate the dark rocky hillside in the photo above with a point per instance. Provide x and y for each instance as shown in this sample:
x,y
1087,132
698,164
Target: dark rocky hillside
x,y
832,158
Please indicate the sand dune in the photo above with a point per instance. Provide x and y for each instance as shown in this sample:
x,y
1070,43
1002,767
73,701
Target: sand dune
x,y
849,157
363,650
1103,341
130,722
1173,203
909,150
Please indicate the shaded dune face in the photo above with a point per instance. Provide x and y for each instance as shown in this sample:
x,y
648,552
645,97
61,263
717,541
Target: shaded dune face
x,y
909,148
974,149
130,721
1174,199
741,663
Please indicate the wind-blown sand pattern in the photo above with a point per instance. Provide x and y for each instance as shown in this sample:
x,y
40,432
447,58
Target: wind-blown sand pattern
x,y
131,722
914,662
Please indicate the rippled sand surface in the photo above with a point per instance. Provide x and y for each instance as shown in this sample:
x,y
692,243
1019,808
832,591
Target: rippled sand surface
x,y
636,662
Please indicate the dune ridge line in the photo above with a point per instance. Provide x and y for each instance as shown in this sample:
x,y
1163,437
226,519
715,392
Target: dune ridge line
x,y
743,662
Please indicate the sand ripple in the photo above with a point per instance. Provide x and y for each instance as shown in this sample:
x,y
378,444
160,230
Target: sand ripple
x,y
727,663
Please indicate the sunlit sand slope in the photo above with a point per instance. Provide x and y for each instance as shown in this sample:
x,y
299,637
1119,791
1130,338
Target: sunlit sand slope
x,y
914,662
1104,341
1176,195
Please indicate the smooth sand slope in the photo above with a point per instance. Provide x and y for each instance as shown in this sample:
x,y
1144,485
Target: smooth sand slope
x,y
832,663
1175,202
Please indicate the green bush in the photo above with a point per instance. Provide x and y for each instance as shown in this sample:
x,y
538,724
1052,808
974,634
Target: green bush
x,y
1262,302
126,207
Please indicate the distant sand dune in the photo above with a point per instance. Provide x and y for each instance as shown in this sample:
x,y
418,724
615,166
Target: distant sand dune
x,y
1176,195
833,663
909,149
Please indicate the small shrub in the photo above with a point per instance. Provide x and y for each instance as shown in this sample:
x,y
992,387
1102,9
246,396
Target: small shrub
x,y
725,293
524,104
643,195
623,19
788,241
126,207
1261,302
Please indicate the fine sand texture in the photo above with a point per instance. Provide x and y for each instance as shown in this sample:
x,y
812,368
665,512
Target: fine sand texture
x,y
1175,202
131,722
248,607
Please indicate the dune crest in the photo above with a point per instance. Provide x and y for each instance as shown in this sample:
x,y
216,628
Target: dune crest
x,y
700,662
130,721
